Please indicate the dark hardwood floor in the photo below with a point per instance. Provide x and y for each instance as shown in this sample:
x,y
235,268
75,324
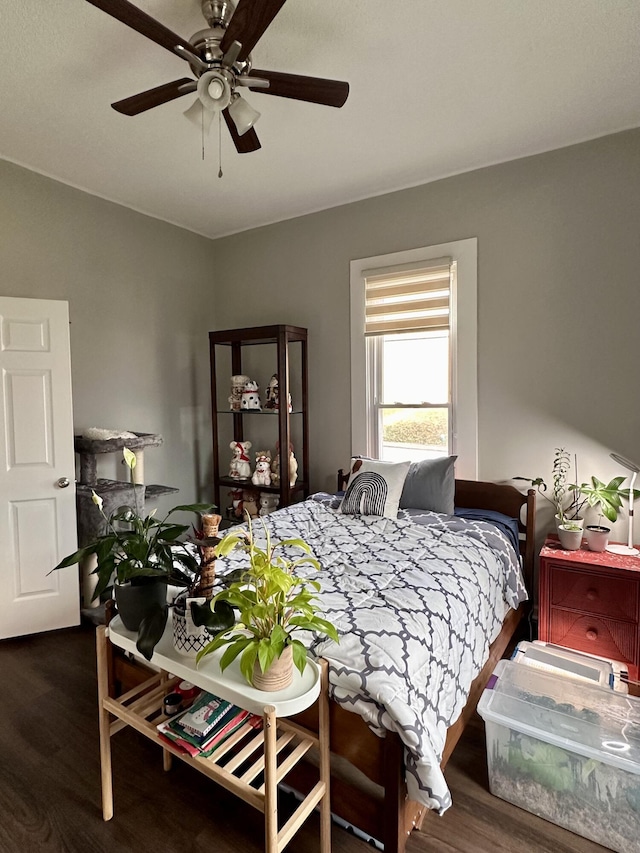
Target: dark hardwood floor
x,y
50,780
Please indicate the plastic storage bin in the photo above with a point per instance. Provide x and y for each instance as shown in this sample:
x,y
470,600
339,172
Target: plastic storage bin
x,y
566,751
566,662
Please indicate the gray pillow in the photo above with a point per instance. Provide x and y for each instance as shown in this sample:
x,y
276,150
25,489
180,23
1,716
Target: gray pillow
x,y
430,484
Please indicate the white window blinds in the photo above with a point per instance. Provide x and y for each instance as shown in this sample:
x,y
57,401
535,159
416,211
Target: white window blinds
x,y
408,298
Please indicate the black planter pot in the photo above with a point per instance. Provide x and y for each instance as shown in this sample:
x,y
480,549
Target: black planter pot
x,y
134,601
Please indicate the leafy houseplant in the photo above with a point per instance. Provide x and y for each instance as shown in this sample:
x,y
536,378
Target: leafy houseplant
x,y
139,550
274,602
569,500
605,497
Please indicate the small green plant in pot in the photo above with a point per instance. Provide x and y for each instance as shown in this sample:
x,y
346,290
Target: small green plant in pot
x,y
274,603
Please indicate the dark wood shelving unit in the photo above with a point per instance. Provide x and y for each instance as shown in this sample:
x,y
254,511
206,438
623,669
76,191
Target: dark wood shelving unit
x,y
284,337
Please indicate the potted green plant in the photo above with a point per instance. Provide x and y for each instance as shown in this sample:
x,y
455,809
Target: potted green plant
x,y
607,499
597,536
138,556
570,535
274,603
570,499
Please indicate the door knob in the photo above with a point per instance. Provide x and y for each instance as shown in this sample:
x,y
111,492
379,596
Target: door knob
x,y
63,482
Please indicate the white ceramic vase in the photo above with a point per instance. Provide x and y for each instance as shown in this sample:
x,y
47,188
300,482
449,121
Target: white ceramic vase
x,y
571,540
596,536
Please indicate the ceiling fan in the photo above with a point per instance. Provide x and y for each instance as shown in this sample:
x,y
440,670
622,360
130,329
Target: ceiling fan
x,y
220,59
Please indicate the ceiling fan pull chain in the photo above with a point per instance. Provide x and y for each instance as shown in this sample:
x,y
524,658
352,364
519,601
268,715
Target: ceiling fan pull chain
x,y
202,130
220,145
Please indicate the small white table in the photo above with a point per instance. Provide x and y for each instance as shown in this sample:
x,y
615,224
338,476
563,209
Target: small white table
x,y
246,755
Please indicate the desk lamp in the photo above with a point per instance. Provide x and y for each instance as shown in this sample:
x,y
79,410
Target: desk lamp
x,y
626,550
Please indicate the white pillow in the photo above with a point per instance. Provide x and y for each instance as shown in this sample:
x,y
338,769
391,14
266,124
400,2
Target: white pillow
x,y
374,488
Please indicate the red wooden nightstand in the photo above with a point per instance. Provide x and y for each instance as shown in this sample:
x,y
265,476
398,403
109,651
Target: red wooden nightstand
x,y
590,602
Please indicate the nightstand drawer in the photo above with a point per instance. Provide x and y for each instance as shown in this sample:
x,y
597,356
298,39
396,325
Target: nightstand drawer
x,y
591,593
605,637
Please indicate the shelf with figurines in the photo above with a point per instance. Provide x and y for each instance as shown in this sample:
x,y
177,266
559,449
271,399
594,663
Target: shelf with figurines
x,y
252,469
245,396
257,493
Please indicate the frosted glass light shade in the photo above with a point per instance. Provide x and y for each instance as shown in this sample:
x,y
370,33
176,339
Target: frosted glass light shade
x,y
199,116
243,114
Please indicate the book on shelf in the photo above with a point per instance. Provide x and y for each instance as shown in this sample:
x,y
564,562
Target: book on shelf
x,y
228,719
206,712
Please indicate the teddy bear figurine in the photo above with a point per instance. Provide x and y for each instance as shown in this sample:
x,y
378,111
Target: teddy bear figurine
x,y
268,503
250,502
262,474
240,465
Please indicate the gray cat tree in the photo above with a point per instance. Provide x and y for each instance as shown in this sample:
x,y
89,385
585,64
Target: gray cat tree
x,y
114,493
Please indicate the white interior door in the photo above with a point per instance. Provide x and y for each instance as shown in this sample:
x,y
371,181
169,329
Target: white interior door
x,y
37,509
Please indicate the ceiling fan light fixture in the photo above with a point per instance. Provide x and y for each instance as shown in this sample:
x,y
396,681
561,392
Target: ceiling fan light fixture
x,y
220,59
214,91
243,114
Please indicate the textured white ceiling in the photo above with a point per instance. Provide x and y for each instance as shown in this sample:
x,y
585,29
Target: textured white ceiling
x,y
437,87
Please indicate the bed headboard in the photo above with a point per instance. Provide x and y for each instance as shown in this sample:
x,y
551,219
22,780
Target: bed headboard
x,y
500,497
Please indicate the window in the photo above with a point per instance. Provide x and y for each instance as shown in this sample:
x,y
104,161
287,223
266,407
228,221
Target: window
x,y
413,355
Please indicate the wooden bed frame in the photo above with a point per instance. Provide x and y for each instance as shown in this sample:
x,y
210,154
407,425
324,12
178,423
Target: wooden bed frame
x,y
368,788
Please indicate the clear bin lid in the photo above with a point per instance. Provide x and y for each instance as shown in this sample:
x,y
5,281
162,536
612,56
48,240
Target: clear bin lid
x,y
589,720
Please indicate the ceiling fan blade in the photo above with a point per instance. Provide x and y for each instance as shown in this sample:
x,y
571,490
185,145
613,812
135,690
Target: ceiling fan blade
x,y
248,23
154,97
138,20
316,90
246,143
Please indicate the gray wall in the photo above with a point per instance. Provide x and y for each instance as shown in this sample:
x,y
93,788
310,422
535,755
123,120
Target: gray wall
x,y
558,300
140,307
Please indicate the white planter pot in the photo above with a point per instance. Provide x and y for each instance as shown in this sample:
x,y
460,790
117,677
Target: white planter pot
x,y
597,537
188,638
569,539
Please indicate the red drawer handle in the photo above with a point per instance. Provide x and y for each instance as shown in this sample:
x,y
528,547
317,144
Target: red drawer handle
x,y
592,634
592,594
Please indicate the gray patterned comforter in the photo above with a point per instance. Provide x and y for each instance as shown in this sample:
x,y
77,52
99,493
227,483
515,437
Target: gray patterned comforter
x,y
417,601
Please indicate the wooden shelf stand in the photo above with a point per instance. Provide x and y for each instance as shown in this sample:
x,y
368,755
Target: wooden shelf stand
x,y
250,763
286,339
